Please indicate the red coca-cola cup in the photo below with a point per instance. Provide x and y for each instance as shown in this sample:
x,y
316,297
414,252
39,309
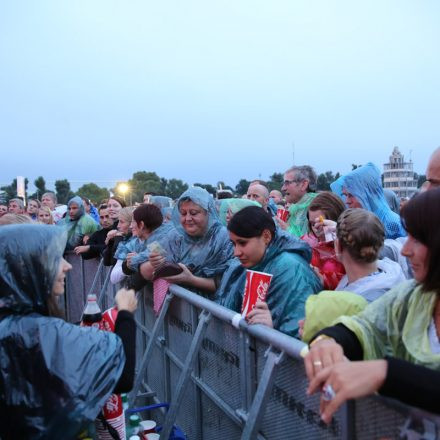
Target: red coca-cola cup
x,y
283,214
257,285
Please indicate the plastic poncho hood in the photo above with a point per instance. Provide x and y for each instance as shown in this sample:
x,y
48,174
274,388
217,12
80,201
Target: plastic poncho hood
x,y
29,260
233,205
365,184
54,376
397,325
206,255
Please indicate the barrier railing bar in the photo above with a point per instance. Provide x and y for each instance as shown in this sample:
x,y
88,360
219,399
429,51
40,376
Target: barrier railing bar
x,y
207,390
83,279
97,275
104,289
292,347
247,373
186,374
262,394
348,425
147,354
196,371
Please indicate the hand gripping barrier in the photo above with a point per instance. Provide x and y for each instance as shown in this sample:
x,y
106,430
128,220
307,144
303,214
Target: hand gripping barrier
x,y
227,380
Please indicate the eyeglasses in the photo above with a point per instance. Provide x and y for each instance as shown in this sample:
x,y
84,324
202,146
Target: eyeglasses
x,y
289,182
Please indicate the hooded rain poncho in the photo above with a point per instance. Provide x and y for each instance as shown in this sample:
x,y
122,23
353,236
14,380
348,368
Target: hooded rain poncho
x,y
78,227
287,259
365,184
206,256
397,325
54,376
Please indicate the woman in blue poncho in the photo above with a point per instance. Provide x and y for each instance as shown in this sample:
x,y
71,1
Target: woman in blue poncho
x,y
54,376
362,188
261,247
201,245
77,223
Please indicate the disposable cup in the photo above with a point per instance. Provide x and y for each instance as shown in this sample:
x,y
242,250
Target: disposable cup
x,y
257,285
283,214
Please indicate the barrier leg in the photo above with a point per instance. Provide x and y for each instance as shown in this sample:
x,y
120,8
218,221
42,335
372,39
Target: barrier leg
x,y
262,395
147,354
186,374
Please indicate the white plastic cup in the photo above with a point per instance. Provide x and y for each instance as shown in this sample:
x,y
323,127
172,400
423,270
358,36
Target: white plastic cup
x,y
148,426
153,436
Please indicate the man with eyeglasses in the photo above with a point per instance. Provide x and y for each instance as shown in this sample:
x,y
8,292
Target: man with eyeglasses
x,y
298,187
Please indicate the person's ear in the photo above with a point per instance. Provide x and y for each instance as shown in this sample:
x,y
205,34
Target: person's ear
x,y
304,185
267,237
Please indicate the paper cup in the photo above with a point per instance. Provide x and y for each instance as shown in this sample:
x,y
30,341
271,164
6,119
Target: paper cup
x,y
283,214
257,285
153,436
148,426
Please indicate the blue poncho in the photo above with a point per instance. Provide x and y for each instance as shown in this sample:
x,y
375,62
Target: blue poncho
x,y
365,184
160,235
208,255
54,376
287,259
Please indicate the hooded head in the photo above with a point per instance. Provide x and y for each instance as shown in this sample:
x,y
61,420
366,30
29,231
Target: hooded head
x,y
75,208
29,259
195,224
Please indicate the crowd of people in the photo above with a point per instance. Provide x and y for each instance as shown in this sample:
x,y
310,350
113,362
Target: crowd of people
x,y
354,274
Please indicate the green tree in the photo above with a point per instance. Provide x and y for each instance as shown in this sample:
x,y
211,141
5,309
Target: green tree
x,y
242,186
276,181
175,187
325,179
40,184
11,190
93,192
142,182
63,192
211,189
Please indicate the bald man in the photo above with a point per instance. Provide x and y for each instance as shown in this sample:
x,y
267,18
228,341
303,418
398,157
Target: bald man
x,y
258,193
433,171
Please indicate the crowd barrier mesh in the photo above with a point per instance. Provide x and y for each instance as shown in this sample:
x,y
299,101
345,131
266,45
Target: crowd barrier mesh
x,y
232,382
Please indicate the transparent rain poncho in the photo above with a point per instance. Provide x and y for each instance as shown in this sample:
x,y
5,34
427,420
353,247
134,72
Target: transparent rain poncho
x,y
79,226
54,376
397,325
160,235
365,184
287,259
233,205
208,255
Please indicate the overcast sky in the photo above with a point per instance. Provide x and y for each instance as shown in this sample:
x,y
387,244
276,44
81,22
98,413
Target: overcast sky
x,y
214,90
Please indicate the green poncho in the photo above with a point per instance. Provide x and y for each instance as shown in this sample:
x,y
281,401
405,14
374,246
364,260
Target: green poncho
x,y
79,226
298,224
397,325
287,259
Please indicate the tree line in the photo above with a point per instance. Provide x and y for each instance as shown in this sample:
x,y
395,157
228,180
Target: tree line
x,y
145,181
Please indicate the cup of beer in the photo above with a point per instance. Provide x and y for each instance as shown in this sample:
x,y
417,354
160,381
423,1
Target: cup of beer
x,y
256,287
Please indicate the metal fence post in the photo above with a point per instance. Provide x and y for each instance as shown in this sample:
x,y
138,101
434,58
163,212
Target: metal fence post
x,y
147,354
185,374
262,395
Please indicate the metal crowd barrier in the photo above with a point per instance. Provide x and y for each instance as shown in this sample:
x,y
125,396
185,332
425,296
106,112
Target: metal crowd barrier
x,y
225,379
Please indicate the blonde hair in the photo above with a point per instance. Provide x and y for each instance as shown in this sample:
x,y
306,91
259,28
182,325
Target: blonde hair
x,y
126,214
361,233
47,211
